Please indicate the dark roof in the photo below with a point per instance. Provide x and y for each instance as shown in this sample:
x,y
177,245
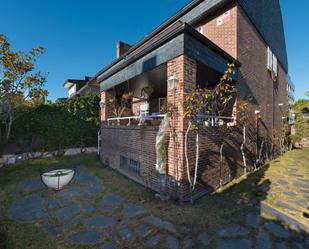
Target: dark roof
x,y
269,24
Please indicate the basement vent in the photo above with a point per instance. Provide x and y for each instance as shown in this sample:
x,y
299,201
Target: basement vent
x,y
130,165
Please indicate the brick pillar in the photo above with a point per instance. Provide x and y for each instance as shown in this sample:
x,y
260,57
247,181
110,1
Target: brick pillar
x,y
184,69
106,111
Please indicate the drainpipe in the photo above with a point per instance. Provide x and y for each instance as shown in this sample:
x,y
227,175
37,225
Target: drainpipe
x,y
99,141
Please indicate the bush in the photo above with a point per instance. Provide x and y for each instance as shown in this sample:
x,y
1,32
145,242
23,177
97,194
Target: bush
x,y
52,128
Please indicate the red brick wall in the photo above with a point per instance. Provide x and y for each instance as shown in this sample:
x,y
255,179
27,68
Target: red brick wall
x,y
133,142
184,69
254,81
225,35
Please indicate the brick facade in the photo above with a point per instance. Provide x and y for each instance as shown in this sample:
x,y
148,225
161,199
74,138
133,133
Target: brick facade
x,y
224,35
255,83
237,36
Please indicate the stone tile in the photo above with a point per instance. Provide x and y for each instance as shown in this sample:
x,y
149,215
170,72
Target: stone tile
x,y
109,209
172,242
233,231
131,210
90,208
304,191
298,246
66,213
281,246
302,203
234,244
100,222
83,177
263,240
157,222
73,223
297,175
112,200
292,170
286,206
27,209
282,182
203,238
109,246
68,193
277,230
290,194
301,185
253,220
188,243
143,230
52,203
153,241
30,186
52,230
127,234
85,237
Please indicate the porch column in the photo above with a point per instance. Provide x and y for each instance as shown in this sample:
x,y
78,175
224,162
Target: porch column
x,y
185,69
106,106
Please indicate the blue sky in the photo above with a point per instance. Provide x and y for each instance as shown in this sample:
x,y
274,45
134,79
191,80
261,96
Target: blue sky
x,y
80,36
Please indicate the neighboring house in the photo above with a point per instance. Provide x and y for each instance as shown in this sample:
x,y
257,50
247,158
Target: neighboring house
x,y
193,48
81,87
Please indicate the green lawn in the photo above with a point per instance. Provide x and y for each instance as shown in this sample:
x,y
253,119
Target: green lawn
x,y
229,206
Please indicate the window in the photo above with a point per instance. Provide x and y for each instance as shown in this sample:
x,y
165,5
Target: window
x,y
162,104
130,165
272,63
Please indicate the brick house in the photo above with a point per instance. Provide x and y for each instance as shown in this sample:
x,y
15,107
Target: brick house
x,y
81,87
193,47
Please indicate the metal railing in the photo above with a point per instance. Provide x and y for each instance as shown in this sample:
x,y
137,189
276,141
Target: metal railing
x,y
141,119
213,120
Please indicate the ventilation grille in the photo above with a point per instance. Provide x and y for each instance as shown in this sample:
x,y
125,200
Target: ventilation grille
x,y
130,165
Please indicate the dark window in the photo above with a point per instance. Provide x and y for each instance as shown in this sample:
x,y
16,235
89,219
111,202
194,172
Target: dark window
x,y
130,165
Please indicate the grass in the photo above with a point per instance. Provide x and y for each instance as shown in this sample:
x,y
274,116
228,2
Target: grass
x,y
229,206
279,170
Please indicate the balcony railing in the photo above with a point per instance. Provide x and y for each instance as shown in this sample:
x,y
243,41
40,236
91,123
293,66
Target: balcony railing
x,y
208,120
213,120
140,120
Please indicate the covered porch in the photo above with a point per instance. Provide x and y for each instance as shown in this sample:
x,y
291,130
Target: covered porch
x,y
145,84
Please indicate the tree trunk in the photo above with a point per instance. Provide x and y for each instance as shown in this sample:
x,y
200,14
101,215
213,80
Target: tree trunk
x,y
186,153
221,162
242,150
196,159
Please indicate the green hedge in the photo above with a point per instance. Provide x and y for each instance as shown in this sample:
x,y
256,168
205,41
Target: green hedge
x,y
53,127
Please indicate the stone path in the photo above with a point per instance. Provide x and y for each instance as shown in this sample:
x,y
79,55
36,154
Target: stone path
x,y
288,197
84,213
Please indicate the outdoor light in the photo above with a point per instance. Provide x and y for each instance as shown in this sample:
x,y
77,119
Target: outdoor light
x,y
283,118
281,104
172,82
256,112
102,104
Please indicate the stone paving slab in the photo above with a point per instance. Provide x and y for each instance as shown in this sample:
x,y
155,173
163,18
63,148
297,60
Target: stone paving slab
x,y
28,209
157,222
131,210
112,200
66,213
234,244
99,222
85,216
233,231
85,237
277,230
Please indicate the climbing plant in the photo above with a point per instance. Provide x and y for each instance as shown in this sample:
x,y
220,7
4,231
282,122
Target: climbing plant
x,y
203,101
